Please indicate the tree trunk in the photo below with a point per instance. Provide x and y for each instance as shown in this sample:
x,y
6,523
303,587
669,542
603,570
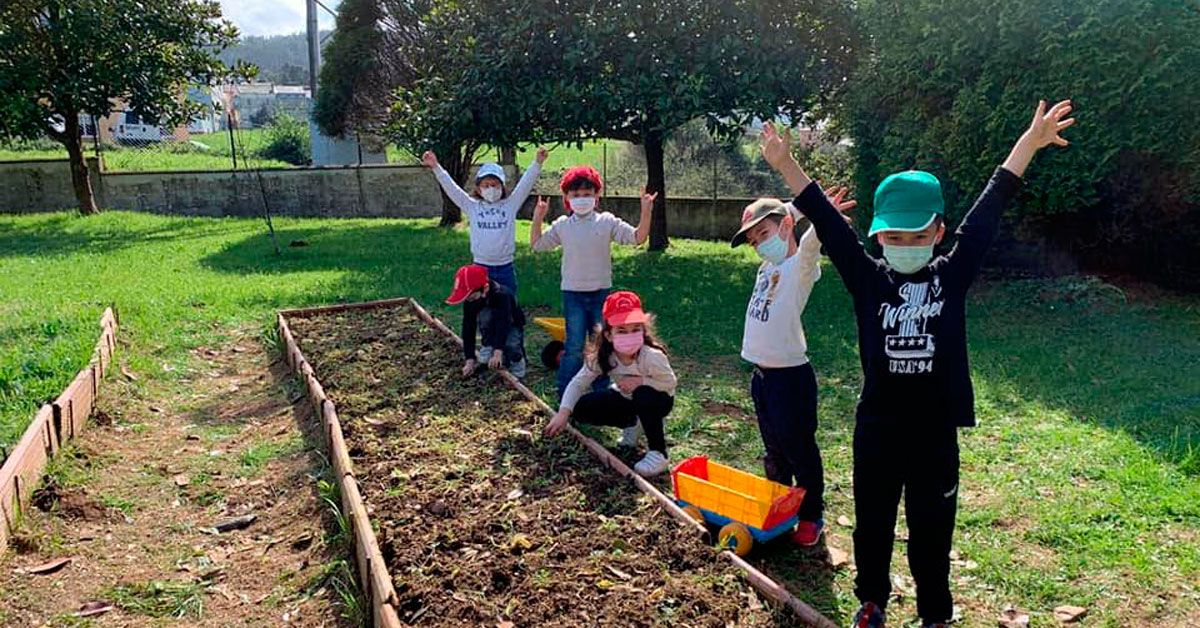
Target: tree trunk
x,y
451,214
73,140
656,181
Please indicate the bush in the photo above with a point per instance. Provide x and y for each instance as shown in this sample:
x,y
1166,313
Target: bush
x,y
288,139
949,86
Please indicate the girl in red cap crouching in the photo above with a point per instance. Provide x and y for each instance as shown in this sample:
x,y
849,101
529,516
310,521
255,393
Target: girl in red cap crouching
x,y
643,384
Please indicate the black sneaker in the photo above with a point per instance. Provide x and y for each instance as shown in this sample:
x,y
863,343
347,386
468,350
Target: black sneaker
x,y
869,616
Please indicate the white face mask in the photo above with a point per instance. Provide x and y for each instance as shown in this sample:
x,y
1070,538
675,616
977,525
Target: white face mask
x,y
907,259
583,205
491,194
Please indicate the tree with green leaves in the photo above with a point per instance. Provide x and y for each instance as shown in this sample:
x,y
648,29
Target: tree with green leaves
x,y
386,73
60,59
636,70
943,90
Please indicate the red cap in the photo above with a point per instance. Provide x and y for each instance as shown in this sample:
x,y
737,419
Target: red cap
x,y
623,308
468,279
573,174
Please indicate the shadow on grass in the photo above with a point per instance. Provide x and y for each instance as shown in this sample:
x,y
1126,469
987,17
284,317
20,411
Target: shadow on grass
x,y
64,233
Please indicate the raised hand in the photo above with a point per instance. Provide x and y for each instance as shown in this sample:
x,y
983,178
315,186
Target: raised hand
x,y
1043,131
429,159
1047,125
648,200
539,210
542,154
776,147
837,198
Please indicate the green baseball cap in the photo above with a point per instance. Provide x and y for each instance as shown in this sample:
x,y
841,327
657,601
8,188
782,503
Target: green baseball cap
x,y
907,201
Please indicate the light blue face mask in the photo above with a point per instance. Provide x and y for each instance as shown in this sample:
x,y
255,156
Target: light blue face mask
x,y
773,249
907,259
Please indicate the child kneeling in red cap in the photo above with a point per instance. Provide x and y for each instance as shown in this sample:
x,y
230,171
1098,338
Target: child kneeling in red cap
x,y
643,387
490,307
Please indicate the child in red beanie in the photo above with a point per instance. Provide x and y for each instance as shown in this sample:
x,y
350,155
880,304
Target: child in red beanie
x,y
586,236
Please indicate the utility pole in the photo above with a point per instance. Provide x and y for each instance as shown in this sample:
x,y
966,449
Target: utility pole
x,y
314,47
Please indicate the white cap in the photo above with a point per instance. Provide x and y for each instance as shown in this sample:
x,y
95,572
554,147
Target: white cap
x,y
490,170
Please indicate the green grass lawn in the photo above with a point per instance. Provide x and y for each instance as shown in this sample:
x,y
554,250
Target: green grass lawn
x,y
213,153
1081,485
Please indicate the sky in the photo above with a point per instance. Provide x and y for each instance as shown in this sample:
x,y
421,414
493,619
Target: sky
x,y
273,17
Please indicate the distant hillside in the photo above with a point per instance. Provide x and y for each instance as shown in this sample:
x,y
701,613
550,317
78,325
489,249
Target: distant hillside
x,y
280,58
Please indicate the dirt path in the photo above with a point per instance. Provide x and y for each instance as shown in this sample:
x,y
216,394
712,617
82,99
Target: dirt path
x,y
134,505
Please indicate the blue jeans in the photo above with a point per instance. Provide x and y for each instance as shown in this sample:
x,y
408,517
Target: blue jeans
x,y
582,311
503,274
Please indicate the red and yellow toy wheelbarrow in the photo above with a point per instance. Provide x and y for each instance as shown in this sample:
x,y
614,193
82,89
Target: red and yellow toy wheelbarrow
x,y
746,507
552,353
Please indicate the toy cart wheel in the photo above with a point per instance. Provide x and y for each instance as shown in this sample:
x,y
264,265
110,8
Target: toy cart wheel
x,y
694,513
736,538
552,354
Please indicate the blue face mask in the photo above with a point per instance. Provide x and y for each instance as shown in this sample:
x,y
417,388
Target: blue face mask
x,y
907,259
773,249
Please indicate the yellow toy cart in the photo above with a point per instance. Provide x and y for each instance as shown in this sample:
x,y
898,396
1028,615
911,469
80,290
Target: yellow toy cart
x,y
553,351
746,507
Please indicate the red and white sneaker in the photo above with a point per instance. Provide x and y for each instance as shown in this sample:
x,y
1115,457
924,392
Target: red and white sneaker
x,y
808,533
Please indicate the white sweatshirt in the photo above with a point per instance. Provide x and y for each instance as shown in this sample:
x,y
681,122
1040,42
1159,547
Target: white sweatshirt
x,y
493,225
773,336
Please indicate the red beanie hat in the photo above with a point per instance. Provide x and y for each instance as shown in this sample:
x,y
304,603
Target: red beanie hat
x,y
586,173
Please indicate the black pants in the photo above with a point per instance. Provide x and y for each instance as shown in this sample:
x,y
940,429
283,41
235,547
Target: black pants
x,y
609,407
895,456
785,402
514,343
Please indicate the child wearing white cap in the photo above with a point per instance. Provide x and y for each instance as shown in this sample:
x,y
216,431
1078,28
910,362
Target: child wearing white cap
x,y
491,213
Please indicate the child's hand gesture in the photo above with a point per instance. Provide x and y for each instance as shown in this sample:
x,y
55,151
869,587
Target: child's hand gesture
x,y
495,362
1042,132
1046,125
648,200
539,210
776,147
429,159
557,423
542,154
629,383
837,198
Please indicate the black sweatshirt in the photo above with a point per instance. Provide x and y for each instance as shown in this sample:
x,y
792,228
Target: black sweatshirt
x,y
504,315
912,330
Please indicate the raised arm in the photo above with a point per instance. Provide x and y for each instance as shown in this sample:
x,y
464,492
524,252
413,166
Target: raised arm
x,y
647,217
536,241
840,239
449,185
528,180
979,227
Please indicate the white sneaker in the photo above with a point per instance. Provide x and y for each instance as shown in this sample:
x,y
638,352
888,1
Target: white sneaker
x,y
629,436
652,464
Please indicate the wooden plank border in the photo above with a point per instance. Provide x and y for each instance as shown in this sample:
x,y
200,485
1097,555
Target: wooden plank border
x,y
384,610
53,425
374,578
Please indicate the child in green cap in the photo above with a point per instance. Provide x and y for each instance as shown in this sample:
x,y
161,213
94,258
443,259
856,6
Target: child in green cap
x,y
912,341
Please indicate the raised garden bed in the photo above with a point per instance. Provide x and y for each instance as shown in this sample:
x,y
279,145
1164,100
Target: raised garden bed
x,y
53,425
478,519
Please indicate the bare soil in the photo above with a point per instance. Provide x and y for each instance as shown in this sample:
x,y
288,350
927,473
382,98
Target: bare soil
x,y
483,521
